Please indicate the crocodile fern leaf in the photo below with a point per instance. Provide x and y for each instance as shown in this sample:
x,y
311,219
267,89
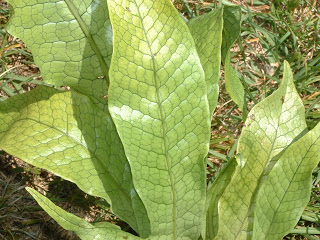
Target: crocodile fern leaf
x,y
71,42
256,204
134,126
163,87
82,228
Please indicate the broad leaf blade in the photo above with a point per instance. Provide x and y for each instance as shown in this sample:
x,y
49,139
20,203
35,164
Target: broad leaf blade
x,y
231,31
71,41
158,101
271,126
82,228
286,191
207,34
64,132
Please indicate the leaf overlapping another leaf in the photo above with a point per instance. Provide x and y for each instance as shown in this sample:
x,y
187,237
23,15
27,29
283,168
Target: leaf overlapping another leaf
x,y
85,230
288,188
271,127
214,194
71,42
231,31
158,101
207,34
161,101
64,132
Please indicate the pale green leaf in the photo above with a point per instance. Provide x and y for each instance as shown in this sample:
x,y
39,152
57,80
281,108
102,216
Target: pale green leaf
x,y
233,84
270,127
85,230
286,191
207,34
213,196
64,132
231,31
158,101
71,41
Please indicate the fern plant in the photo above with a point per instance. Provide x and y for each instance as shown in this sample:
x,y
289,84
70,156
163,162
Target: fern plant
x,y
134,127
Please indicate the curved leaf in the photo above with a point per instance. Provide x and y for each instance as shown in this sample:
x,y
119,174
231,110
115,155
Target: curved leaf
x,y
231,31
207,34
82,228
287,188
234,86
158,101
64,132
71,41
215,192
271,127
231,28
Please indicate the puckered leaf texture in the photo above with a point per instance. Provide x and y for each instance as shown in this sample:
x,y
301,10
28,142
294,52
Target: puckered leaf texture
x,y
264,157
135,129
71,42
64,132
158,101
206,31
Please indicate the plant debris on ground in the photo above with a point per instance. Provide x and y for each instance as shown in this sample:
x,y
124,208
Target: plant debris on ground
x,y
272,31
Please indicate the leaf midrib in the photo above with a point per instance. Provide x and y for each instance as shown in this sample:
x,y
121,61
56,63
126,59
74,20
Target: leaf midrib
x,y
163,126
100,162
260,180
85,30
298,167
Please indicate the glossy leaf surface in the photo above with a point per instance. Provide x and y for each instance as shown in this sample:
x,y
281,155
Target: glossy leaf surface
x,y
64,132
85,230
158,101
270,128
207,34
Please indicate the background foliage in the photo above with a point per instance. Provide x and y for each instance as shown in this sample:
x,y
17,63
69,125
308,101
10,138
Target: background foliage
x,y
272,31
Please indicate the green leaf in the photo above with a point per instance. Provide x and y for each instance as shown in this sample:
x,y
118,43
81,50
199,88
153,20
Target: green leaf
x,y
85,230
231,32
272,125
64,132
231,28
158,101
207,34
71,41
233,84
287,188
213,196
